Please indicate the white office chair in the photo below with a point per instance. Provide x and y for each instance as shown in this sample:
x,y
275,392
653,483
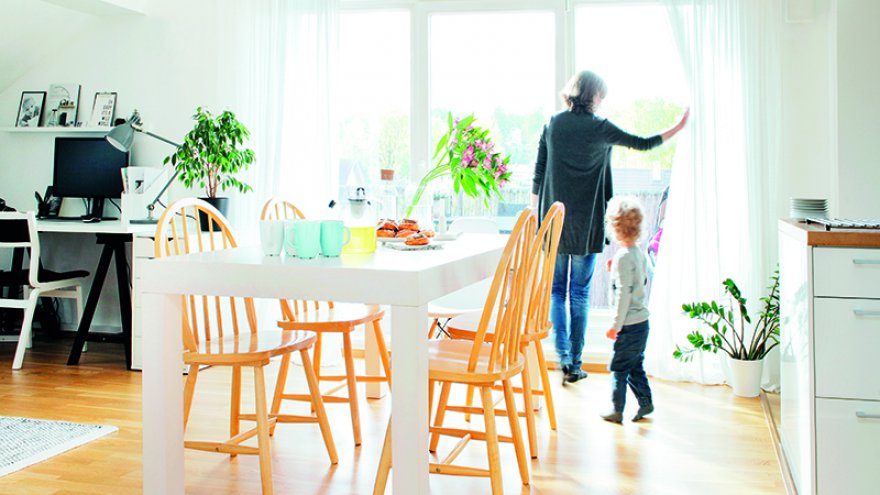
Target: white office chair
x,y
467,299
19,231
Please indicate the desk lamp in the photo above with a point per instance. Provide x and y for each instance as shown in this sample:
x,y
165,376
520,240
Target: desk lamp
x,y
122,137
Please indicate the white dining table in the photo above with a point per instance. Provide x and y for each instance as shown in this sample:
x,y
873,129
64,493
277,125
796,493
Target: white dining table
x,y
404,280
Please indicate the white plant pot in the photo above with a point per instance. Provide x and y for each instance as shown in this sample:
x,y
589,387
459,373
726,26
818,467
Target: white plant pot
x,y
744,376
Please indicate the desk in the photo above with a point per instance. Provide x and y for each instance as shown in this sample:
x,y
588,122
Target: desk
x,y
114,235
406,281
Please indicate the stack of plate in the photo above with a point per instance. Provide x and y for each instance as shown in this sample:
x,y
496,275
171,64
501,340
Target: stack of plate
x,y
809,208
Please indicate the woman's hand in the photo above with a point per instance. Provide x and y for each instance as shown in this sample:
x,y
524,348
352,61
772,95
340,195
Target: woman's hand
x,y
672,131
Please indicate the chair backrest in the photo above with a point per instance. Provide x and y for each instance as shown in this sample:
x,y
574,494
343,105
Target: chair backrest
x,y
178,233
282,209
547,239
19,230
474,225
509,293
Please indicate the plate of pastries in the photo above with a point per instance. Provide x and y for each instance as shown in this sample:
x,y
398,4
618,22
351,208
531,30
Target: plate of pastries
x,y
406,231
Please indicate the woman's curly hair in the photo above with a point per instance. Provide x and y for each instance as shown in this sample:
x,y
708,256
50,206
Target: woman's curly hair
x,y
580,90
624,218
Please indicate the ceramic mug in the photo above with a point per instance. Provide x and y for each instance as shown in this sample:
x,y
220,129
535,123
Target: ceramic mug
x,y
334,235
307,238
289,235
271,237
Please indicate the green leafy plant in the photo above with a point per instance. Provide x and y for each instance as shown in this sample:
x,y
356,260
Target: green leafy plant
x,y
213,152
729,324
466,153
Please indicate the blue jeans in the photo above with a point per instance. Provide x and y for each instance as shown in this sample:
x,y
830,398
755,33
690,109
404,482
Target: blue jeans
x,y
571,281
627,365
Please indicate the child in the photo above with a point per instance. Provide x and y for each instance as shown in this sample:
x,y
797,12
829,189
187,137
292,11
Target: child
x,y
630,328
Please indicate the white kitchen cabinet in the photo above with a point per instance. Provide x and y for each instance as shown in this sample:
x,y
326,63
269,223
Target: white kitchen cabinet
x,y
830,333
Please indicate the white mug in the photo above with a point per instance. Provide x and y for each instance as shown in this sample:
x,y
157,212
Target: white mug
x,y
288,237
271,237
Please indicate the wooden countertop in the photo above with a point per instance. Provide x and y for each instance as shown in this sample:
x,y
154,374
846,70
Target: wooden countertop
x,y
816,235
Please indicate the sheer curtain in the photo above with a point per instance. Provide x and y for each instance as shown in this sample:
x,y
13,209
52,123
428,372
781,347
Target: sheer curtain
x,y
721,215
279,65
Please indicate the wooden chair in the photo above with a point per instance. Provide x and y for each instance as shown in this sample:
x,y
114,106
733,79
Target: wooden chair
x,y
18,230
328,317
483,364
537,328
212,335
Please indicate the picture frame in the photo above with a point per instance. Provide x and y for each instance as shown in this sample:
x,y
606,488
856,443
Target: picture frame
x,y
62,104
30,109
103,109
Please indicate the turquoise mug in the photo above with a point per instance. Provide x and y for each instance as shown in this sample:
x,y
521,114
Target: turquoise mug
x,y
307,238
334,235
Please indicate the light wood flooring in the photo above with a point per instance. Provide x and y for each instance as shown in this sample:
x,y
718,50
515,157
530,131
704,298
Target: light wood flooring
x,y
701,440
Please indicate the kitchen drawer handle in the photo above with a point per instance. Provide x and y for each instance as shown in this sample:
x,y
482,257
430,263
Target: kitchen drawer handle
x,y
857,261
865,312
864,415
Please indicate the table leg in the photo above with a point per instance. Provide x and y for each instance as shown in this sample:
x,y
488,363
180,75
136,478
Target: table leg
x,y
124,288
409,412
162,394
85,321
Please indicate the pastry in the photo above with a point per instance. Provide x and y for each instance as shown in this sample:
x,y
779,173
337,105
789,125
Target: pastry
x,y
387,224
385,233
428,233
405,233
417,239
408,224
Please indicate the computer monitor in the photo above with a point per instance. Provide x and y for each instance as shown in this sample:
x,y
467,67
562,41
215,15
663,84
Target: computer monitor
x,y
88,168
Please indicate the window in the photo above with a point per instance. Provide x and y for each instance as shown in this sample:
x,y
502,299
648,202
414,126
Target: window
x,y
374,102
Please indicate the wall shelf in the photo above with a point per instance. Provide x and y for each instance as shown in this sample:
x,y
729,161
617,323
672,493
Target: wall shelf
x,y
57,130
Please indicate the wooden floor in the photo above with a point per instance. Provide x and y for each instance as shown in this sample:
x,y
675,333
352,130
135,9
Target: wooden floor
x,y
701,440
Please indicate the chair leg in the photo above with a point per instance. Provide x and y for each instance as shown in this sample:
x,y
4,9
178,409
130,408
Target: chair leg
x,y
25,292
492,440
516,432
529,406
441,413
263,430
317,353
431,384
235,405
280,383
469,401
384,463
352,387
189,390
383,350
25,335
545,384
433,328
318,406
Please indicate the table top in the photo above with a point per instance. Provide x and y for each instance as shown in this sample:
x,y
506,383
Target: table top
x,y
103,227
816,235
387,276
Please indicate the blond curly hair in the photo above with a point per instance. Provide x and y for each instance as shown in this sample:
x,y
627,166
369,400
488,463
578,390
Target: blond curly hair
x,y
624,218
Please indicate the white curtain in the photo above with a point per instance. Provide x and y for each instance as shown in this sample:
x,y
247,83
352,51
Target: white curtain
x,y
280,60
721,215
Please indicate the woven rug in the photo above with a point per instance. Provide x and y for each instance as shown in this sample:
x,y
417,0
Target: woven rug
x,y
24,441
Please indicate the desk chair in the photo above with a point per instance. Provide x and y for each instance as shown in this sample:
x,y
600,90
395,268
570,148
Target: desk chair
x,y
328,317
18,230
469,298
212,336
484,364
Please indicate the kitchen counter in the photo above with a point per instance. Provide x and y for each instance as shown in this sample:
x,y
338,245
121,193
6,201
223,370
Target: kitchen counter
x,y
816,235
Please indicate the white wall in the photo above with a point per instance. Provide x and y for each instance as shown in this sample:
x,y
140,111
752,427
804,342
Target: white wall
x,y
858,108
164,64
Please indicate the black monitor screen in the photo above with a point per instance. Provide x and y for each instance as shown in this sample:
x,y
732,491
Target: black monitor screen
x,y
88,168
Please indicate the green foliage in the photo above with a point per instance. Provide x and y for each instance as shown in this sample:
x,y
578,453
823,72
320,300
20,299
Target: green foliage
x,y
728,325
393,142
467,155
212,153
646,117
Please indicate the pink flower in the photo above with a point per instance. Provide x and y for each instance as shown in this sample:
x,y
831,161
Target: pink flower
x,y
487,163
501,183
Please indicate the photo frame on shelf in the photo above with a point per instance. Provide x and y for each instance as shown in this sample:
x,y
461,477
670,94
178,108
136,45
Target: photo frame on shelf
x,y
61,105
103,110
30,110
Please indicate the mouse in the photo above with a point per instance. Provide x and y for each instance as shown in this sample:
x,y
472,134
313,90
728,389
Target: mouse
x,y
91,219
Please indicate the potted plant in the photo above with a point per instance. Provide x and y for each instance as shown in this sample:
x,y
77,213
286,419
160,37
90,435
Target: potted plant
x,y
212,154
467,155
729,324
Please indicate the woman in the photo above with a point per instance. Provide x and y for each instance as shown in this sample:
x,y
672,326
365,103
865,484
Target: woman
x,y
574,167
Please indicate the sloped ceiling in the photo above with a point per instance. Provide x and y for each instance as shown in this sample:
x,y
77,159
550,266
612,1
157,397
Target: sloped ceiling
x,y
30,30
